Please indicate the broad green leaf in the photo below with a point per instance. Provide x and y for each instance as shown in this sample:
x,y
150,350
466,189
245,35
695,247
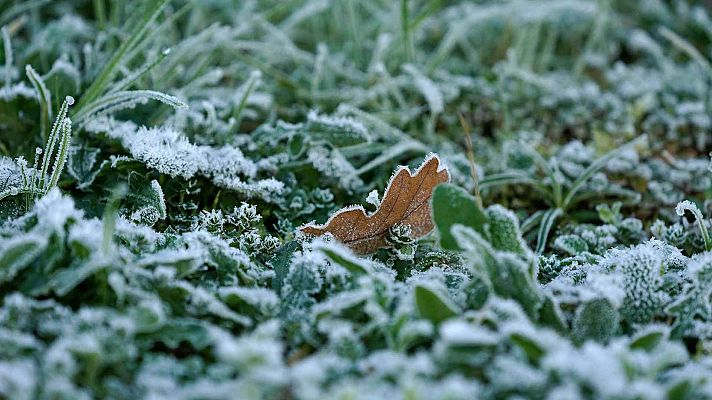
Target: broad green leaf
x,y
504,231
595,320
648,340
453,205
432,305
512,278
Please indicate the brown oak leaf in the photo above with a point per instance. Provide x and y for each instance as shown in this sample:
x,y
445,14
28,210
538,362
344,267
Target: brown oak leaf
x,y
405,202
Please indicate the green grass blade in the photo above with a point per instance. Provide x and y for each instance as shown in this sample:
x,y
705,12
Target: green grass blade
x,y
121,100
547,222
514,178
141,25
44,97
596,166
687,48
7,48
548,170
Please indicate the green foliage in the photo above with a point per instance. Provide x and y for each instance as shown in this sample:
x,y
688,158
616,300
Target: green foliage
x,y
149,247
596,319
453,205
432,305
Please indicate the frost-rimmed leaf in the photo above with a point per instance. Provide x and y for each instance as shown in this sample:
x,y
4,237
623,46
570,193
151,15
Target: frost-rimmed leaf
x,y
406,201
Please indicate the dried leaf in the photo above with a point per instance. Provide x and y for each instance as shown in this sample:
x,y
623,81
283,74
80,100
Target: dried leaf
x,y
405,202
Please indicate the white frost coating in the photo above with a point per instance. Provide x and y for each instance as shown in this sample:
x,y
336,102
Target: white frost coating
x,y
610,286
332,163
85,232
601,369
261,298
701,267
345,123
373,199
18,379
459,332
169,152
341,301
53,210
686,205
387,363
19,90
508,372
135,234
257,355
309,374
441,167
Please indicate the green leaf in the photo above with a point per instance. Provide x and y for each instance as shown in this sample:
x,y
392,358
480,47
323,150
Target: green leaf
x,y
44,96
148,316
339,256
530,347
504,232
571,244
515,177
550,315
66,279
508,274
141,20
17,253
596,166
512,278
280,263
547,223
453,205
596,320
81,163
176,332
144,202
648,340
434,306
338,131
477,292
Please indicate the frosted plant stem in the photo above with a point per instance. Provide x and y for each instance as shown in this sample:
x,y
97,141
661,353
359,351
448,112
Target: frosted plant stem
x,y
687,205
52,140
61,158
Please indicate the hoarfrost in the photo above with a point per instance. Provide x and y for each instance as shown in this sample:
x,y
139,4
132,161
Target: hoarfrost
x,y
169,152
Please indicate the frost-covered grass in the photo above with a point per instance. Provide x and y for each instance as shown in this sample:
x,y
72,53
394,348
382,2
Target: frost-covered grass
x,y
158,156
